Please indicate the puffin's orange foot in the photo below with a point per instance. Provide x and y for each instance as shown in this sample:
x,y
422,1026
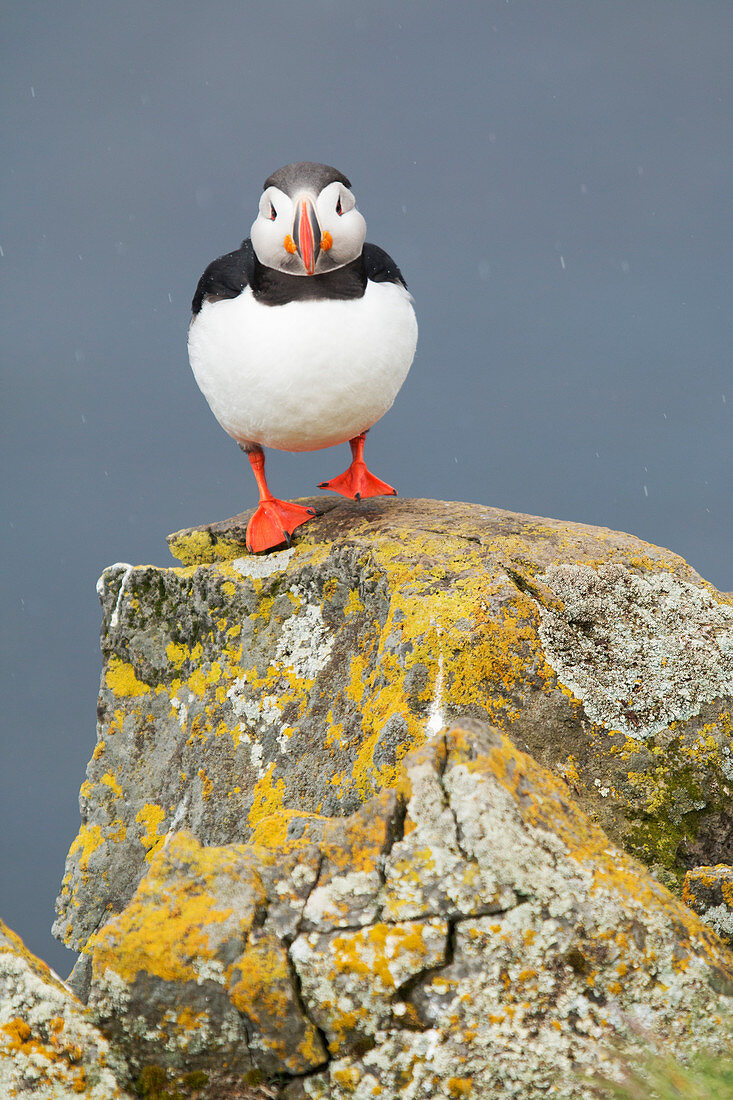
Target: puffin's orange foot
x,y
358,483
273,523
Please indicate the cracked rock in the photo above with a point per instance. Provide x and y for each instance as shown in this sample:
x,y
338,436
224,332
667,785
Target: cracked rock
x,y
428,871
350,979
195,974
547,949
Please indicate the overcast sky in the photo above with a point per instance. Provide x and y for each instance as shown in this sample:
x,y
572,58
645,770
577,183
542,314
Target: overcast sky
x,y
554,181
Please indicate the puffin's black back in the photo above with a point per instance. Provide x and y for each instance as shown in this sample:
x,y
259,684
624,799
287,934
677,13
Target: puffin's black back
x,y
226,277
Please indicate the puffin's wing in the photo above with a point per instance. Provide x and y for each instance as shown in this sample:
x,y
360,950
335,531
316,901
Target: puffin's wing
x,y
380,267
226,277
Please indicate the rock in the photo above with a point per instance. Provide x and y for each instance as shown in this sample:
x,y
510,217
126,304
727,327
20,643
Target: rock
x,y
480,938
49,1048
709,891
195,973
240,692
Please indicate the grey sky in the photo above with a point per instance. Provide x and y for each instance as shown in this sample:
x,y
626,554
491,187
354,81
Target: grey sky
x,y
554,181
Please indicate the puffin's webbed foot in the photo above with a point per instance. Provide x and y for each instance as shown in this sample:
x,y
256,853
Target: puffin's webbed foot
x,y
358,482
275,520
273,523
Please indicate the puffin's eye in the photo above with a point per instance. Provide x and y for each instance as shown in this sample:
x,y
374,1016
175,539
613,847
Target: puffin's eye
x,y
339,211
273,213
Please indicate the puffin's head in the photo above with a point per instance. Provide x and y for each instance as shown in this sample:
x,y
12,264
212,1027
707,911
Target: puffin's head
x,y
308,222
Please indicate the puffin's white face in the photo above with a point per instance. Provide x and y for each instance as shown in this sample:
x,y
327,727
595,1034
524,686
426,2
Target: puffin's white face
x,y
308,234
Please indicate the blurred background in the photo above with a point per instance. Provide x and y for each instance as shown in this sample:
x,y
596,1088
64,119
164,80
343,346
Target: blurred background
x,y
554,181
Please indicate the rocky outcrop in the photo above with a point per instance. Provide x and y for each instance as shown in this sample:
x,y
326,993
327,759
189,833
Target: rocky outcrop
x,y
290,881
236,688
484,939
49,1047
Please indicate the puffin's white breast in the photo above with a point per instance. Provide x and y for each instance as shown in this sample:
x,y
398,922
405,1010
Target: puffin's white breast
x,y
306,374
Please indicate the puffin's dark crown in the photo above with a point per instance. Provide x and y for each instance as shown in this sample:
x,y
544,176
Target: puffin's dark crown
x,y
305,174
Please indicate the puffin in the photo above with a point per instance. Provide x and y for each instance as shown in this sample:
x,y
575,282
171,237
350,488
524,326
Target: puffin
x,y
301,338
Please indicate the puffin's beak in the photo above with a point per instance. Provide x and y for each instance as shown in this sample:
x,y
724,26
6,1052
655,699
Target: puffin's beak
x,y
307,234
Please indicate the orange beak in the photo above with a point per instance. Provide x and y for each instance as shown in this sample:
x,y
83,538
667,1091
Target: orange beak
x,y
307,234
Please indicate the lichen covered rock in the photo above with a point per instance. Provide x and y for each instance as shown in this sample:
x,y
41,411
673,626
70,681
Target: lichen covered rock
x,y
474,935
49,1048
196,974
240,692
709,891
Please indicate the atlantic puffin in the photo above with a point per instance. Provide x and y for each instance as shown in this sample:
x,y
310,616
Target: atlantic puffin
x,y
301,338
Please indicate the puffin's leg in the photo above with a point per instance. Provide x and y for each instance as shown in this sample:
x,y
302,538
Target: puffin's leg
x,y
357,482
275,520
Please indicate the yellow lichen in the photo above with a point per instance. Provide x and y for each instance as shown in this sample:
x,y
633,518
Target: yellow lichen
x,y
166,934
347,1077
176,653
267,803
187,1020
18,1032
207,784
121,679
353,605
193,548
259,981
151,816
89,838
110,781
459,1086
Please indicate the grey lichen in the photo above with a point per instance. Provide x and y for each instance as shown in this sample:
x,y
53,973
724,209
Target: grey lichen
x,y
720,919
640,652
49,1046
